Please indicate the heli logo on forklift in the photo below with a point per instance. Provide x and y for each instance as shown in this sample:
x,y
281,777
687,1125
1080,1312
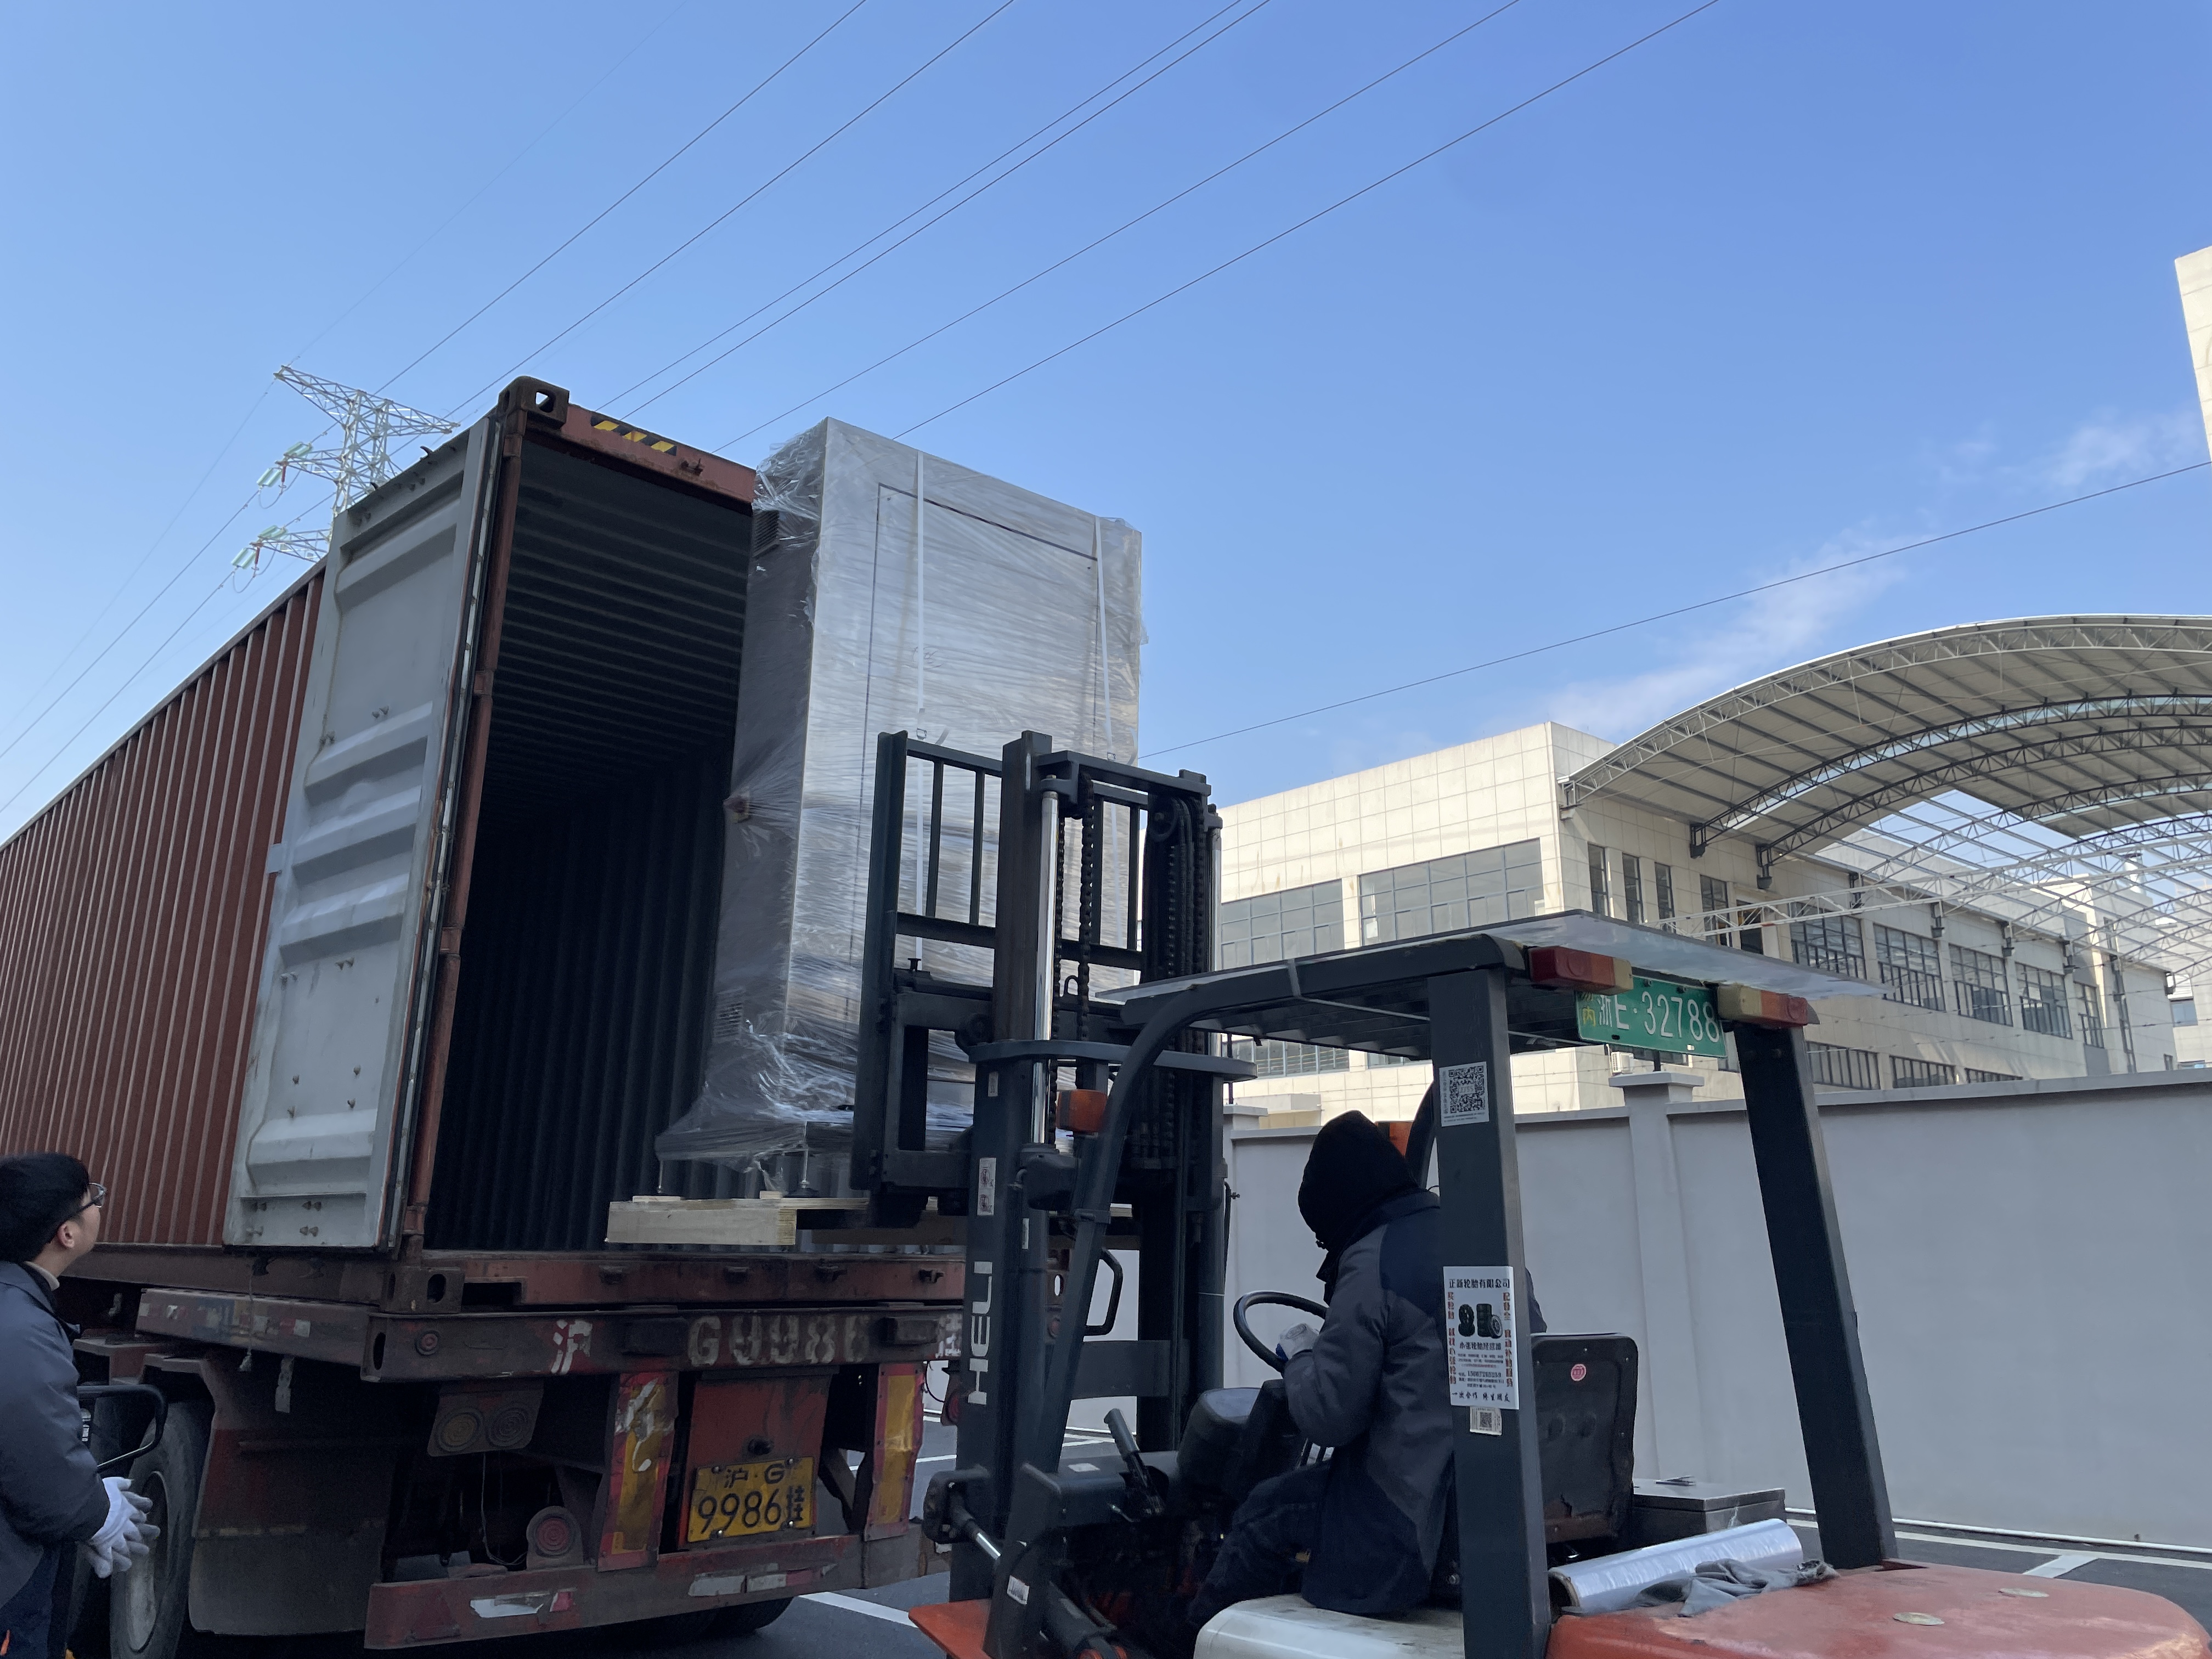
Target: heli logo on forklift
x,y
1479,1335
978,1336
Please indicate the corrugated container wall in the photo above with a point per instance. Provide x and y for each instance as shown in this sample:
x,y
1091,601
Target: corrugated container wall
x,y
133,913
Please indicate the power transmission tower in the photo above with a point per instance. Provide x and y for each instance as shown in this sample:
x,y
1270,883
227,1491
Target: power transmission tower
x,y
367,428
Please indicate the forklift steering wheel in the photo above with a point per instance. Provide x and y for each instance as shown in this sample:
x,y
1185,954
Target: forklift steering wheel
x,y
1270,1299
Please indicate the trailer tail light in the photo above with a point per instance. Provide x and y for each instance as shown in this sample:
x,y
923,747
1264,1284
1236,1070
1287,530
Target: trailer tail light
x,y
1739,1004
1580,970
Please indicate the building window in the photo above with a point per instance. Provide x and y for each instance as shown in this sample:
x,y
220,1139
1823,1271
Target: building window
x,y
1632,887
1375,1062
1600,888
1911,971
1713,899
2091,1007
1975,1075
1662,889
1845,1068
1273,1059
1468,889
1978,979
2185,1011
1302,921
1832,944
1908,1073
2043,1002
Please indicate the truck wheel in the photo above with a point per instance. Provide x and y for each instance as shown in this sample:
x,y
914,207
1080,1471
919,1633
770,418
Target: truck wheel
x,y
148,1605
744,1620
671,1630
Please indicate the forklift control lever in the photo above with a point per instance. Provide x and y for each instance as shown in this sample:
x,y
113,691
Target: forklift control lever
x,y
1143,1502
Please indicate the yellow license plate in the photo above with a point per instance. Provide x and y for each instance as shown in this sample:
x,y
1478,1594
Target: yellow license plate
x,y
737,1500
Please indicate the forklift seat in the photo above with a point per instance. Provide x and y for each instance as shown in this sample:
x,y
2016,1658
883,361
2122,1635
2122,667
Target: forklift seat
x,y
1236,1438
1585,1399
1586,1389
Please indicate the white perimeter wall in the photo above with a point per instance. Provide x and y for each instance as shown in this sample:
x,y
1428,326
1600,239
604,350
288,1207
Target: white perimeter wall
x,y
2032,1266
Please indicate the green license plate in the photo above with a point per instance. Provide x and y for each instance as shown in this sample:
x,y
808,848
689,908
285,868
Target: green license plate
x,y
1675,1018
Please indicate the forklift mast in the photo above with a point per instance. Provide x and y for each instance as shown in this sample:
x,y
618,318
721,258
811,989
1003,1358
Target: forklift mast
x,y
1003,895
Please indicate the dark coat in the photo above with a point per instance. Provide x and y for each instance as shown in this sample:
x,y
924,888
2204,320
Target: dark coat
x,y
49,1492
1377,1388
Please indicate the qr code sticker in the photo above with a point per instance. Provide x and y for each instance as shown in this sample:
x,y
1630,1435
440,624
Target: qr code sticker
x,y
1464,1092
1485,1420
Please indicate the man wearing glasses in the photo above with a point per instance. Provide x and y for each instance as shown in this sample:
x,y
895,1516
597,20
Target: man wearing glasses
x,y
51,1497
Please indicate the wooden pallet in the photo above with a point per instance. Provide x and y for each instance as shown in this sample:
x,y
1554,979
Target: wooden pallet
x,y
770,1218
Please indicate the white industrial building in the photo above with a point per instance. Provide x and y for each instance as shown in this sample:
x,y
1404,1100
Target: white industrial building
x,y
1998,828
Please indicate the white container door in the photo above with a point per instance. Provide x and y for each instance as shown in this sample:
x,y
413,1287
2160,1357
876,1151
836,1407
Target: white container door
x,y
345,981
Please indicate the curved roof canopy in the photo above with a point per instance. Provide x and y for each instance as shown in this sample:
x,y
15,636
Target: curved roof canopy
x,y
2081,725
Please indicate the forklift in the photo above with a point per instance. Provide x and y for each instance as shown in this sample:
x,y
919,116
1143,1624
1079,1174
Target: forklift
x,y
1080,994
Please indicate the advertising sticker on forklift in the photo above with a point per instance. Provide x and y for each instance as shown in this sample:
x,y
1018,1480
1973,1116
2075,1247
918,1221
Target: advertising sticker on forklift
x,y
1479,1318
1463,1092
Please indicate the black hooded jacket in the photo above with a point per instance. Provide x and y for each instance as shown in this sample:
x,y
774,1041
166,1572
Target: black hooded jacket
x,y
1375,1385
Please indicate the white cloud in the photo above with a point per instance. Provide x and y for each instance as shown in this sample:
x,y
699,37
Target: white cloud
x,y
1730,644
2109,449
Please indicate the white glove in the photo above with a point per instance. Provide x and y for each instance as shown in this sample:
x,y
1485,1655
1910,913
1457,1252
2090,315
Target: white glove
x,y
126,1537
1295,1341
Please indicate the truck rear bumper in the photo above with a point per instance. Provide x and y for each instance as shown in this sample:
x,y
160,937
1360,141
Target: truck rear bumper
x,y
432,1612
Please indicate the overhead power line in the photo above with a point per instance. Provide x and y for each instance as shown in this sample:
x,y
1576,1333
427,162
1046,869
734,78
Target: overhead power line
x,y
658,169
34,776
749,197
1042,150
1126,224
1679,610
115,590
482,189
1312,218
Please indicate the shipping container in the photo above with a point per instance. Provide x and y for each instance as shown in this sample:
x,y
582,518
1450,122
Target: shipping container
x,y
500,712
134,911
367,971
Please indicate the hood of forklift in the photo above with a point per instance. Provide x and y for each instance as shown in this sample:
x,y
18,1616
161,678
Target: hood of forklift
x,y
1894,1612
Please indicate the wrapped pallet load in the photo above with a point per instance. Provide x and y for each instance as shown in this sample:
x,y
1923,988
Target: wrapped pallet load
x,y
890,589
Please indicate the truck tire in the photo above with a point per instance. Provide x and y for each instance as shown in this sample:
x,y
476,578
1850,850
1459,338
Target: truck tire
x,y
148,1607
753,1616
674,1629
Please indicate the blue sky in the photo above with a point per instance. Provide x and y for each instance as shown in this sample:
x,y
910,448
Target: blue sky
x,y
1784,284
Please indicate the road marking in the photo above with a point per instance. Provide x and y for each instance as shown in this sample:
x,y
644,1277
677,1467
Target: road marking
x,y
853,1604
2059,1566
1071,1443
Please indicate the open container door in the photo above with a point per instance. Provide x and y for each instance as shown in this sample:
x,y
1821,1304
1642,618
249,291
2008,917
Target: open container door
x,y
369,829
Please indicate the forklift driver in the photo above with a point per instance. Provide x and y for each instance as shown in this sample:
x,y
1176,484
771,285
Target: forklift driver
x,y
1360,1533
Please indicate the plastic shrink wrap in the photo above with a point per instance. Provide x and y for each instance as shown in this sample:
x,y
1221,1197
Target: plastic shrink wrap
x,y
891,590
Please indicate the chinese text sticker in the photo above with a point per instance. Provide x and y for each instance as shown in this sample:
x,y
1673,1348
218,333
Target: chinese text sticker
x,y
1479,1333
